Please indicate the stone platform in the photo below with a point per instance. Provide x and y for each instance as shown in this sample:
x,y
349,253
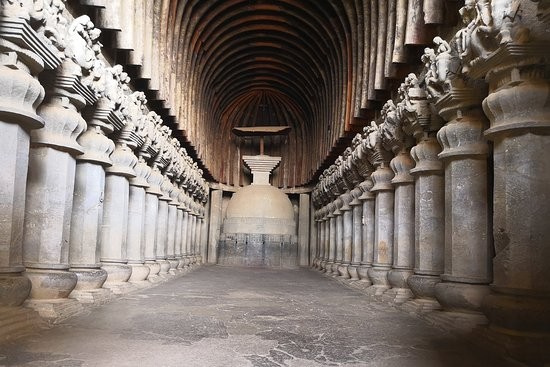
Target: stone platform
x,y
226,316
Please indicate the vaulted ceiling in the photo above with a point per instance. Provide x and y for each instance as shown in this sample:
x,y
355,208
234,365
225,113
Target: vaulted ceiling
x,y
323,67
236,58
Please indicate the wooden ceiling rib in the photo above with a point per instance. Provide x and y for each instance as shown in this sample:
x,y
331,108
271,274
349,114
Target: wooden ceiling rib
x,y
229,59
321,66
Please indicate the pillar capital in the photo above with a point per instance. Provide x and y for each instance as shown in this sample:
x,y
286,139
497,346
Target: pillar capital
x,y
382,178
401,166
425,154
346,200
155,180
366,187
337,205
518,77
356,194
124,161
143,171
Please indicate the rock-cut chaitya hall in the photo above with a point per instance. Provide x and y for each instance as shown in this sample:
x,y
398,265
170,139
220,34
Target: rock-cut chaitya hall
x,y
382,163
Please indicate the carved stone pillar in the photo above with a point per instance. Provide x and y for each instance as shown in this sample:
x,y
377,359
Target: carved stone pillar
x,y
193,241
185,237
314,244
357,210
203,258
136,222
197,237
20,94
383,228
50,188
87,213
200,238
171,229
325,227
467,241
430,223
192,218
192,238
162,228
332,238
193,234
367,255
317,255
320,224
178,238
152,195
347,235
214,225
325,235
403,240
339,236
114,256
518,109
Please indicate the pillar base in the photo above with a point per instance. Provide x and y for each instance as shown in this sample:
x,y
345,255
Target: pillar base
x,y
398,277
50,284
116,273
154,268
140,272
89,278
343,271
398,295
315,263
461,297
352,269
334,273
363,272
173,265
379,277
181,262
14,289
92,296
421,305
117,277
329,266
423,286
164,266
55,310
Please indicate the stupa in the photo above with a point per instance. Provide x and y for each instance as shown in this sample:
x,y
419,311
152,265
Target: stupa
x,y
259,228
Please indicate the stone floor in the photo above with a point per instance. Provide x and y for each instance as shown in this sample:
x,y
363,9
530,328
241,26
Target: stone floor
x,y
221,316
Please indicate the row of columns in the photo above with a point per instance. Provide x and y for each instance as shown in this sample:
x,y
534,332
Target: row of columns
x,y
96,194
454,222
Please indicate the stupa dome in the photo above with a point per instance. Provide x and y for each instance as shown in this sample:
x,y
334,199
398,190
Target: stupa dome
x,y
261,209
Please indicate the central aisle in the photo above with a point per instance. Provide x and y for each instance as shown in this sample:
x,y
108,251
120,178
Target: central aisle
x,y
222,316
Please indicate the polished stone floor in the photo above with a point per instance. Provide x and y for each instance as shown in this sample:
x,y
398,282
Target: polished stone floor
x,y
221,316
